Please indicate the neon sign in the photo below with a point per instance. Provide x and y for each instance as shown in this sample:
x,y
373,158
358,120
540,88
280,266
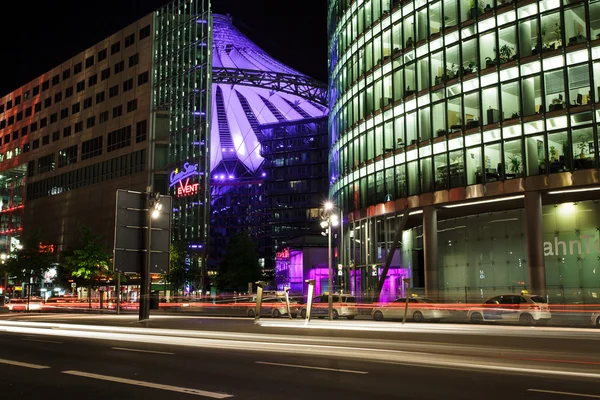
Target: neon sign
x,y
188,171
283,255
187,188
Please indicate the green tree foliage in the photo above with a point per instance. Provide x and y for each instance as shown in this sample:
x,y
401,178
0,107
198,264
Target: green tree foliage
x,y
178,274
29,263
88,261
240,264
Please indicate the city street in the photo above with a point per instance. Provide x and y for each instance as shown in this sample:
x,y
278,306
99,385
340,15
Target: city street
x,y
116,358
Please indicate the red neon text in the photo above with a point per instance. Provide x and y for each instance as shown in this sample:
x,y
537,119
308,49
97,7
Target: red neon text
x,y
187,189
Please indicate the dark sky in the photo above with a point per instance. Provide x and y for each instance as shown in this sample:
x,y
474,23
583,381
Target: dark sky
x,y
34,41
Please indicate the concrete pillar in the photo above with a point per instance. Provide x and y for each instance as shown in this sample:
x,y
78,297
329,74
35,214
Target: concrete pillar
x,y
430,245
535,243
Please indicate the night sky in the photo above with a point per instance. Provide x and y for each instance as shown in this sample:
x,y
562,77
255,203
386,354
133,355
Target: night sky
x,y
36,39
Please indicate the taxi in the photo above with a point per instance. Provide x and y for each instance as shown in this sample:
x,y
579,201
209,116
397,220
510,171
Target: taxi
x,y
420,309
524,308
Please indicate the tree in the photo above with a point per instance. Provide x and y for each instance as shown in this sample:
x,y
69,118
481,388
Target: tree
x,y
240,264
88,260
29,263
179,274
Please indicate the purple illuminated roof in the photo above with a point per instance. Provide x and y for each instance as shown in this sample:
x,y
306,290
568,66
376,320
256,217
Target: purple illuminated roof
x,y
241,105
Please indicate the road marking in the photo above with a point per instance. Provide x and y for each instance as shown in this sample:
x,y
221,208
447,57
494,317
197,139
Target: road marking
x,y
22,364
348,371
589,396
151,385
42,341
142,351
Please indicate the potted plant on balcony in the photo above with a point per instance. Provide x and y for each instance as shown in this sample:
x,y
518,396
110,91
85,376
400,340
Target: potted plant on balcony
x,y
505,53
515,164
489,62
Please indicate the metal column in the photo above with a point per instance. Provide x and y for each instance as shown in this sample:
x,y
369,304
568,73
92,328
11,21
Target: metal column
x,y
430,244
535,249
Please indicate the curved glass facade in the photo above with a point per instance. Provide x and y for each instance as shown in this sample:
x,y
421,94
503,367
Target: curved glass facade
x,y
430,96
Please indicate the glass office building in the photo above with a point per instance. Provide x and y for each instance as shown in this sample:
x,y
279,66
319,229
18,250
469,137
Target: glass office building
x,y
493,105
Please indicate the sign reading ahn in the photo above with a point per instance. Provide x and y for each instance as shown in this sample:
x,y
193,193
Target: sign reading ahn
x,y
181,179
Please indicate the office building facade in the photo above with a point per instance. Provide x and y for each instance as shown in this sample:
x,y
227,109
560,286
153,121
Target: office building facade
x,y
479,121
127,113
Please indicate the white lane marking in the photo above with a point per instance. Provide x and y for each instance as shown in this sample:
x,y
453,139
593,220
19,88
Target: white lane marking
x,y
589,396
348,371
22,364
151,385
142,351
42,341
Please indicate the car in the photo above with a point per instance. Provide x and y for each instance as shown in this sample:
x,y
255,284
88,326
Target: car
x,y
343,306
596,319
23,304
420,309
274,307
521,308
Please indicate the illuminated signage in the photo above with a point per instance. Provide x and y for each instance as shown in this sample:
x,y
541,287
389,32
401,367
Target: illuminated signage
x,y
186,172
187,188
282,255
47,248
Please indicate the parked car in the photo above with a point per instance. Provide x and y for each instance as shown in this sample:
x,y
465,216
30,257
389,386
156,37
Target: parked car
x,y
23,304
274,307
521,308
343,306
419,309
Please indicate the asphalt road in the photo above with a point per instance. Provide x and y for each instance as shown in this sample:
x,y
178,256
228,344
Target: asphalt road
x,y
58,361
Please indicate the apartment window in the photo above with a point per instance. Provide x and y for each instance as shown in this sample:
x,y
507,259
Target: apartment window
x,y
80,86
64,113
115,48
119,67
77,68
3,124
1,108
91,148
89,62
67,131
45,85
37,107
28,112
58,97
33,127
30,165
55,136
103,117
24,131
134,60
8,105
118,139
91,121
53,118
145,32
19,116
11,120
25,96
87,103
66,74
36,90
105,74
92,80
129,40
35,144
45,163
99,97
78,126
102,54
113,91
55,79
142,78
128,84
68,92
6,139
45,140
75,108
117,111
15,135
67,156
132,105
48,102
17,100
141,131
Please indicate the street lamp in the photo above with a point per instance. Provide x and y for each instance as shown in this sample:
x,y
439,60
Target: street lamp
x,y
154,207
329,219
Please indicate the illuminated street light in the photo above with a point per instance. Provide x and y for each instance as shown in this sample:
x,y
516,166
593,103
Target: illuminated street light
x,y
155,213
328,206
329,219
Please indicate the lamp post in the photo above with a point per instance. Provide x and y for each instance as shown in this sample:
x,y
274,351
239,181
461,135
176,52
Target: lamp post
x,y
329,219
154,207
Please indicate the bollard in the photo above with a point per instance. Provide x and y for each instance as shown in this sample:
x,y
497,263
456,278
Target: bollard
x,y
259,292
406,293
287,302
311,289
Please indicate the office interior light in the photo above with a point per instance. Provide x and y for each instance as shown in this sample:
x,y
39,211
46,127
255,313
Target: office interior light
x,y
475,203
